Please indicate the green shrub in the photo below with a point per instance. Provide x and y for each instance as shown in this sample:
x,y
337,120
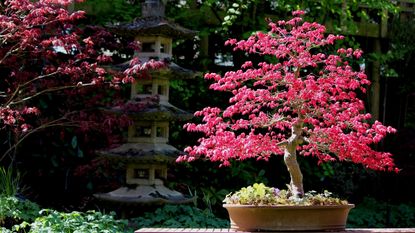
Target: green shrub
x,y
25,216
52,221
373,213
5,230
183,216
14,210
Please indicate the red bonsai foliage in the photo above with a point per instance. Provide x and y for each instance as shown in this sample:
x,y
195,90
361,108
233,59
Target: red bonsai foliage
x,y
44,51
304,101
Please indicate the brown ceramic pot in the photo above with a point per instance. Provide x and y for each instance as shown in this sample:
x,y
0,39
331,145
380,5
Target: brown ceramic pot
x,y
288,218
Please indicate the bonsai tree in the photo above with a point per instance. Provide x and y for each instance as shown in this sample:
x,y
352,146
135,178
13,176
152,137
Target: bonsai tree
x,y
298,100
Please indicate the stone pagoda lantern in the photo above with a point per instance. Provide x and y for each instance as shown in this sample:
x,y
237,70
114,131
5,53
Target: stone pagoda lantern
x,y
146,152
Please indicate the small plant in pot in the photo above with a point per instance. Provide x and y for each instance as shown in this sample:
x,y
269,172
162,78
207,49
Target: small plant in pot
x,y
258,207
299,100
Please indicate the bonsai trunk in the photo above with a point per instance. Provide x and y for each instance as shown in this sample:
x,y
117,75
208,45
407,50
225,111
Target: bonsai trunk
x,y
290,159
296,184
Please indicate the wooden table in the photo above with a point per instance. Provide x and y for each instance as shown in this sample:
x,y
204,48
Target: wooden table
x,y
210,230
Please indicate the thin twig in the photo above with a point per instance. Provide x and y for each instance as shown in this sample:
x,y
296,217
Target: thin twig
x,y
38,78
49,90
12,50
19,87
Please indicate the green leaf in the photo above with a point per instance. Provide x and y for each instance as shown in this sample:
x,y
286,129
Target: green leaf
x,y
89,186
54,161
80,153
74,142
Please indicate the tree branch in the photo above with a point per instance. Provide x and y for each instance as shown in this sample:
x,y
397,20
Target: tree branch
x,y
273,121
50,90
38,78
12,50
282,143
19,87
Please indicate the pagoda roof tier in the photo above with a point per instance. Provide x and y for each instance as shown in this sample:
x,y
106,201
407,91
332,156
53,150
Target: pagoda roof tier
x,y
174,71
142,152
141,110
170,71
152,26
144,195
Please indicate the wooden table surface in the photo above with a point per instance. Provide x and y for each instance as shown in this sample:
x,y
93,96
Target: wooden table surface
x,y
206,230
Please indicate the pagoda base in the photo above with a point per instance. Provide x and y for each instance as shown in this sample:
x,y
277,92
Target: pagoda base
x,y
144,195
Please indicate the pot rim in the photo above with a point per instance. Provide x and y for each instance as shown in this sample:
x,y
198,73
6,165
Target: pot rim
x,y
349,206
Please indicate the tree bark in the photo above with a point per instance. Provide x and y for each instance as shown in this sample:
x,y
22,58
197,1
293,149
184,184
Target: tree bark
x,y
290,159
296,184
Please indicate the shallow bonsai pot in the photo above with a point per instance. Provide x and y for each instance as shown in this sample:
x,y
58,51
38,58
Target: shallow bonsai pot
x,y
288,218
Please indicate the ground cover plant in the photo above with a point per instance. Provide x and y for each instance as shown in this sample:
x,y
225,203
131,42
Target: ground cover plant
x,y
47,220
18,215
14,211
77,222
179,216
379,214
300,99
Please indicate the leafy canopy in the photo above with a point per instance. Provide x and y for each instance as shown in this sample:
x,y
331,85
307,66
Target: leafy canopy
x,y
298,87
44,50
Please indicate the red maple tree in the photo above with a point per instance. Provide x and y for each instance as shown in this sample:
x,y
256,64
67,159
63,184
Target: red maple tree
x,y
298,100
44,49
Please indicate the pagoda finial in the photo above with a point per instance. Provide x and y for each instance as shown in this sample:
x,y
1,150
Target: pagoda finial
x,y
152,8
